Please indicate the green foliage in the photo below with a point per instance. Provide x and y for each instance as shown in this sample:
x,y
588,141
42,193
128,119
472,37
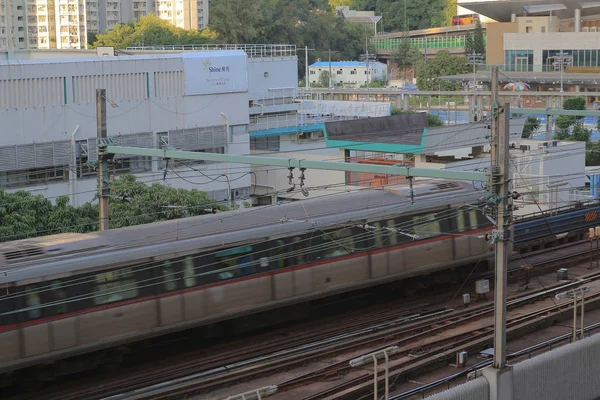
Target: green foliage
x,y
578,133
432,120
324,79
565,122
592,156
377,83
420,14
151,30
574,103
91,39
406,56
309,23
25,215
443,64
532,124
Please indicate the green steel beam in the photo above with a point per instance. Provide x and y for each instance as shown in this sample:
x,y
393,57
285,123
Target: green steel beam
x,y
300,163
556,111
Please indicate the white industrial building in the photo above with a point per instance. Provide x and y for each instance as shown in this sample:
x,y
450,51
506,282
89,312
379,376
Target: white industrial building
x,y
48,114
351,74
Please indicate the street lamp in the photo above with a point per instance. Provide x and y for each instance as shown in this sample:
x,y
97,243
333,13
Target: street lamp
x,y
575,292
562,60
475,59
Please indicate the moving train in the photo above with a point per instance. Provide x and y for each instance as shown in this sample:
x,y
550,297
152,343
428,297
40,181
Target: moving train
x,y
69,296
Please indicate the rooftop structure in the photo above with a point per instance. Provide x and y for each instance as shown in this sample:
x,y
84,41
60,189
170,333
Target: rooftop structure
x,y
359,17
507,10
347,73
157,100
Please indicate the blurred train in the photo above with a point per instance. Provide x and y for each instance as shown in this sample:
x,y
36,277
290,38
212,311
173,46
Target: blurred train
x,y
72,295
466,19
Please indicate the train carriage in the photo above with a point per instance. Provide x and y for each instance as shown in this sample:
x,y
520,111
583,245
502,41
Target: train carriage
x,y
73,294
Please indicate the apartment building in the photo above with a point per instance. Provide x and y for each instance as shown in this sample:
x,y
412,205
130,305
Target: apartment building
x,y
65,24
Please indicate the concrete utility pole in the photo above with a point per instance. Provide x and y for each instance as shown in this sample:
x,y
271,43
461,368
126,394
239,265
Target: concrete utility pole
x,y
102,167
499,376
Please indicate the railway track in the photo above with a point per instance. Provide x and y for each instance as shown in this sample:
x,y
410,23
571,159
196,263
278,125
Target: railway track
x,y
229,365
406,333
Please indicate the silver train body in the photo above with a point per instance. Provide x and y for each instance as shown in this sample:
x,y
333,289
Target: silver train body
x,y
72,294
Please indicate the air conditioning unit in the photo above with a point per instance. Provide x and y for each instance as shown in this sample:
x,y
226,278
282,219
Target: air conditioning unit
x,y
525,147
554,143
542,145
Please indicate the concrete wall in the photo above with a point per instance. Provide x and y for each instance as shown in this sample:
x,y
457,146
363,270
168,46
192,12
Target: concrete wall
x,y
551,41
568,372
538,24
476,389
494,51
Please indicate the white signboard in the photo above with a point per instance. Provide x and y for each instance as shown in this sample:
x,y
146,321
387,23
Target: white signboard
x,y
215,72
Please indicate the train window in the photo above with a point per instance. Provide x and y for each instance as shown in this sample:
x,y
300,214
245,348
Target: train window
x,y
59,295
338,243
298,251
237,261
168,272
8,305
444,219
426,226
189,279
277,258
363,239
113,286
33,302
482,220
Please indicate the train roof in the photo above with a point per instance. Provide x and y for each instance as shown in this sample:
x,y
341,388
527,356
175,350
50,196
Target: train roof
x,y
232,226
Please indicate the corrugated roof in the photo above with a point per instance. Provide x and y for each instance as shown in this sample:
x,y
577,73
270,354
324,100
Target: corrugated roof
x,y
342,64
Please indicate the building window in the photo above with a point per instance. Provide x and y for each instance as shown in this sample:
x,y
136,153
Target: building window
x,y
34,176
312,72
271,143
353,72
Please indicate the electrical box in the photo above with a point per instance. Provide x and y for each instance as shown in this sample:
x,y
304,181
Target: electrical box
x,y
461,358
482,286
562,274
466,299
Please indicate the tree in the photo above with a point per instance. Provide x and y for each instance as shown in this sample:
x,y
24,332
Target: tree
x,y
323,80
25,215
565,122
151,30
532,124
479,40
406,56
443,64
432,119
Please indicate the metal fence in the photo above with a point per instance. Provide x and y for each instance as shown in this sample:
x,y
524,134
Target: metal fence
x,y
253,50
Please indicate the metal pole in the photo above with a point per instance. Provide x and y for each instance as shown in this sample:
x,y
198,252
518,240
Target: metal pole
x,y
306,61
102,170
330,69
375,397
500,180
387,371
582,312
574,316
591,251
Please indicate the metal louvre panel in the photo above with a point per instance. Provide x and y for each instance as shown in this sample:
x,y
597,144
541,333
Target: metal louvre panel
x,y
26,156
8,158
143,139
62,153
92,149
44,154
198,138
